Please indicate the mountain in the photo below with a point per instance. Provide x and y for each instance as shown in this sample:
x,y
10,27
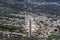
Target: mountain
x,y
15,6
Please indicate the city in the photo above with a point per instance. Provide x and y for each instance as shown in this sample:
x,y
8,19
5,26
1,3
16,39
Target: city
x,y
29,20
